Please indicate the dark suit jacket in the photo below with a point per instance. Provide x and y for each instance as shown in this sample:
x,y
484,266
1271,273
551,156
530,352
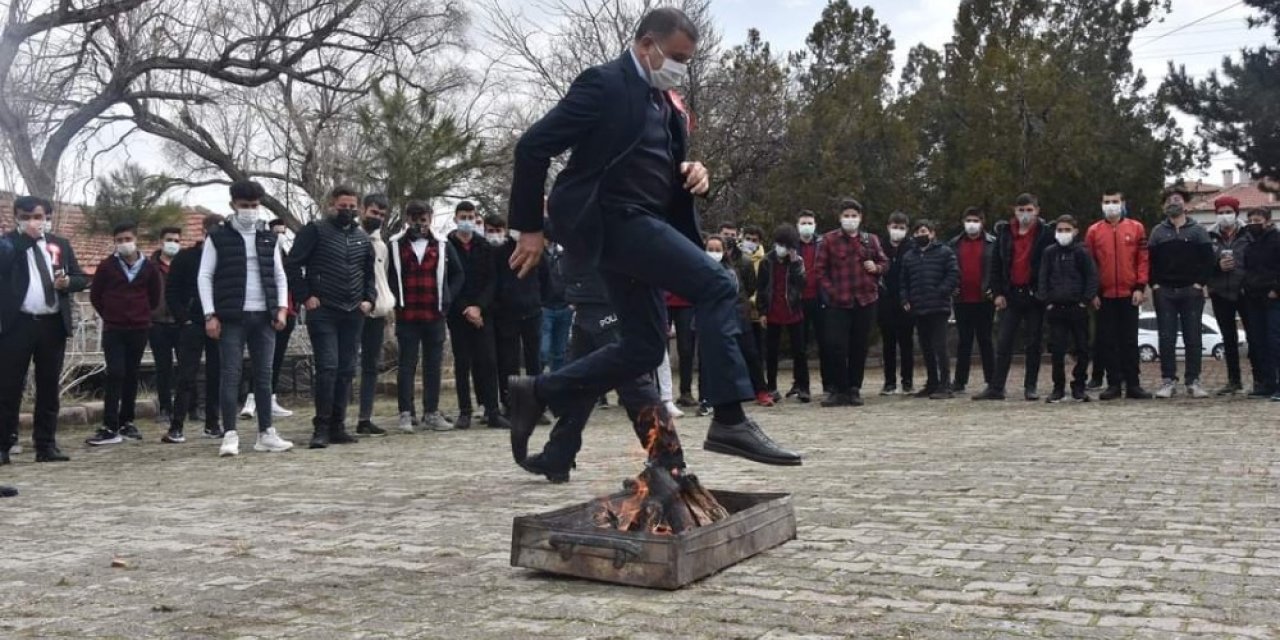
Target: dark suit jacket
x,y
601,119
15,277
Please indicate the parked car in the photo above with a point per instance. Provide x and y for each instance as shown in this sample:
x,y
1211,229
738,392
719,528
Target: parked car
x,y
1210,338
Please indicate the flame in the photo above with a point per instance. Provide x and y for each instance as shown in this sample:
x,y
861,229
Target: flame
x,y
629,513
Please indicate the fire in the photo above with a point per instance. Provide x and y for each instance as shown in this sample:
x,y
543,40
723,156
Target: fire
x,y
654,503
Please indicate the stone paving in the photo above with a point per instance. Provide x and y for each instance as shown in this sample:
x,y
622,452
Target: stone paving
x,y
917,519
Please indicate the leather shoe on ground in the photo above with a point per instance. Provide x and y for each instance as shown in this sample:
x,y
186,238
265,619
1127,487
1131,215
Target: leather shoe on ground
x,y
340,436
1112,393
8,492
537,464
1138,393
526,409
51,454
990,394
836,400
748,440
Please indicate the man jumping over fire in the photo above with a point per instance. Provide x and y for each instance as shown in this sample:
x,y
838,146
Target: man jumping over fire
x,y
624,205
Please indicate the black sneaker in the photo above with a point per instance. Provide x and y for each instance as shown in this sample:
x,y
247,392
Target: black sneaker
x,y
340,436
367,428
1138,393
173,437
463,421
1095,384
704,409
804,396
603,403
214,433
836,400
957,388
855,398
104,436
498,421
777,397
990,394
686,401
1079,395
795,391
923,393
943,393
130,431
908,389
1031,395
1260,393
1057,396
889,390
1112,393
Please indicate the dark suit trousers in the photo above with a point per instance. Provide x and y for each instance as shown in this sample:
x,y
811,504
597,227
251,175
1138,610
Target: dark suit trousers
x,y
641,257
192,342
517,338
473,359
123,351
41,339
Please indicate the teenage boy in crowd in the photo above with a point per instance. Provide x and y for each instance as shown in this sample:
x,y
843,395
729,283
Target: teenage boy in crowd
x,y
470,320
850,264
896,323
1118,246
752,248
1181,266
975,315
331,271
1262,294
557,315
373,214
1020,244
164,330
814,309
244,292
778,289
182,294
930,275
125,290
1226,288
517,309
1068,283
425,275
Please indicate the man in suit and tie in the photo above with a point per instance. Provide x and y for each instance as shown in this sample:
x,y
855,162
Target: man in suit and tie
x,y
38,274
624,205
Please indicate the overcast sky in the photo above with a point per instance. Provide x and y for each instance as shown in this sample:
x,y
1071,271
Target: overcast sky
x,y
1197,33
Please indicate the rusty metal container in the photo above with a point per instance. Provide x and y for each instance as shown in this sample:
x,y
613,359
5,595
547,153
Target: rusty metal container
x,y
567,542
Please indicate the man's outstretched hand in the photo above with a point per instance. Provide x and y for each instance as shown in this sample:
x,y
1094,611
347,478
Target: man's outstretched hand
x,y
528,253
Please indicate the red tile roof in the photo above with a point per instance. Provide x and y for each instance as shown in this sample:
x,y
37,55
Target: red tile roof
x,y
1248,193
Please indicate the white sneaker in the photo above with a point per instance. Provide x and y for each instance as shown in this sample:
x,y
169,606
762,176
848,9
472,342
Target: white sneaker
x,y
1196,391
437,422
674,410
1167,390
250,407
270,441
277,410
230,444
406,422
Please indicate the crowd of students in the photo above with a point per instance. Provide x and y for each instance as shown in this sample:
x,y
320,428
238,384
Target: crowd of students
x,y
241,288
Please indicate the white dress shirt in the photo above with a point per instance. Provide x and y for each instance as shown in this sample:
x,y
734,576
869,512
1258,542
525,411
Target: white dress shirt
x,y
254,297
419,247
33,302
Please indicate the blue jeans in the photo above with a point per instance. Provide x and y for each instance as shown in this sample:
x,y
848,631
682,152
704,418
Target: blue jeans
x,y
555,336
335,341
254,329
1180,309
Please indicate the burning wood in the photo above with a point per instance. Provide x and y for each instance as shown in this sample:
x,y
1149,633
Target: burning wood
x,y
663,499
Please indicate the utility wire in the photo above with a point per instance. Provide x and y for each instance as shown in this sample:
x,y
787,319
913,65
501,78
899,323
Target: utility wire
x,y
1191,24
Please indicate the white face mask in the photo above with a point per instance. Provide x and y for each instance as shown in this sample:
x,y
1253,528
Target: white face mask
x,y
1112,210
897,235
780,250
466,226
127,249
171,248
47,227
973,228
807,230
850,224
495,239
1064,238
716,255
749,247
1025,219
670,75
247,216
1227,220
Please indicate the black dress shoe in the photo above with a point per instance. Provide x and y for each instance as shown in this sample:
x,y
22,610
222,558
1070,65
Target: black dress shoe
x,y
747,440
340,436
1112,393
319,437
51,454
8,492
836,400
463,421
537,464
855,398
525,411
1138,393
990,394
497,421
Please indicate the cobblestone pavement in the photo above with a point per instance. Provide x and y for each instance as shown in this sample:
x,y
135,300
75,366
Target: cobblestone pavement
x,y
918,519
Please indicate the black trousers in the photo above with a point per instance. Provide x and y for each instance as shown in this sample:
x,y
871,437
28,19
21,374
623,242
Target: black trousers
x,y
123,351
473,360
518,338
933,344
1225,312
974,321
1024,312
192,342
815,330
848,332
164,346
773,345
282,350
1069,333
42,340
429,337
686,345
371,338
335,343
896,327
1117,341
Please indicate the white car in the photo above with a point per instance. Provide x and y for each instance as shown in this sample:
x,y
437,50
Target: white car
x,y
1210,338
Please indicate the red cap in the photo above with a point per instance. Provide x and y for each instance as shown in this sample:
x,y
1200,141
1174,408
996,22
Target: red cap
x,y
1227,201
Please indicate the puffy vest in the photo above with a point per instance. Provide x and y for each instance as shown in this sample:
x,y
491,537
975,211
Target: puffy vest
x,y
229,277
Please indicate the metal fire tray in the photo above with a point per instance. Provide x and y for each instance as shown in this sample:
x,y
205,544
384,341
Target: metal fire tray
x,y
567,542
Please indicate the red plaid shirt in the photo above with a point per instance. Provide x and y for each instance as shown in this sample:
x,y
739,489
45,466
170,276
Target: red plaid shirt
x,y
840,271
421,293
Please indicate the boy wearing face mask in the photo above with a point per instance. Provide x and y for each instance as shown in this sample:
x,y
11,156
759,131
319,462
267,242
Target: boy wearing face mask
x,y
516,311
781,282
125,290
1068,283
1118,246
373,213
975,314
1261,265
164,329
850,264
470,319
1181,266
896,324
1020,244
930,275
1226,288
811,298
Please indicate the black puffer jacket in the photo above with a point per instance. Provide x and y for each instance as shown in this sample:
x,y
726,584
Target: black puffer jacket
x,y
1262,264
930,277
998,278
1068,275
765,282
891,283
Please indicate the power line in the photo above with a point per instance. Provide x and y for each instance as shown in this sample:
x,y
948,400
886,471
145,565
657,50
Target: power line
x,y
1192,23
1239,29
1189,54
